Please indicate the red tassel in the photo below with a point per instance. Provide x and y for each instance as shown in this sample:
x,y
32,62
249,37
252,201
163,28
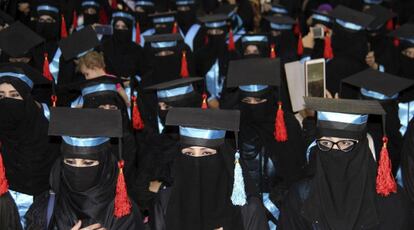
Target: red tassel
x,y
137,33
53,99
175,28
231,46
204,105
273,51
103,17
385,180
327,51
296,28
46,70
4,184
300,45
184,67
114,4
206,40
137,122
390,25
74,21
396,39
280,132
63,30
122,202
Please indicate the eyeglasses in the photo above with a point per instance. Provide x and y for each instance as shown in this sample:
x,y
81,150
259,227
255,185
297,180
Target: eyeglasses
x,y
343,145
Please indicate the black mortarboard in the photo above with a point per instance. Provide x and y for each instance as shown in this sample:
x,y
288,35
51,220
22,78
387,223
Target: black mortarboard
x,y
174,83
78,43
5,18
279,9
22,68
214,20
255,38
405,32
383,83
353,16
280,20
381,14
217,119
163,17
175,90
85,122
164,38
253,71
347,106
17,40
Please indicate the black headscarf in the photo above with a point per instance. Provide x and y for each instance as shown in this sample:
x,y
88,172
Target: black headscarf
x,y
200,196
187,18
342,194
407,162
27,152
406,70
95,204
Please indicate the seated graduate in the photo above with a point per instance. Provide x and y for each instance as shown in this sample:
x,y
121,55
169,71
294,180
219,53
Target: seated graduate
x,y
271,141
209,189
346,191
87,185
405,176
255,45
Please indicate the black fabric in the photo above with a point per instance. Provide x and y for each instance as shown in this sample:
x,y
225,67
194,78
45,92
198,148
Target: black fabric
x,y
27,152
407,162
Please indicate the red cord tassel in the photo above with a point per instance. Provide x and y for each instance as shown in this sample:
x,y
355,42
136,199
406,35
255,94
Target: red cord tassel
x,y
204,105
122,202
206,40
385,180
137,33
103,17
296,28
46,70
114,4
273,51
327,51
300,45
63,30
175,28
4,184
231,46
390,25
280,132
74,21
396,42
137,122
53,99
184,66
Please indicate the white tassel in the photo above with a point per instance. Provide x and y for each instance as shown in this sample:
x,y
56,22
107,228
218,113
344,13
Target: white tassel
x,y
238,196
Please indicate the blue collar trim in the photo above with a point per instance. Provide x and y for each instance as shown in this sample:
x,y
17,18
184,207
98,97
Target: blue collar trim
x,y
208,134
19,76
175,92
99,88
84,142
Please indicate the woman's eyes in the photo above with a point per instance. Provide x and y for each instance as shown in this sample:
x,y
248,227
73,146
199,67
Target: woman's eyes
x,y
70,162
15,95
88,163
206,153
189,153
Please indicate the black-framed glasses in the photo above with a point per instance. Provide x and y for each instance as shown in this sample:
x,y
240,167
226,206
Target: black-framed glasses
x,y
343,145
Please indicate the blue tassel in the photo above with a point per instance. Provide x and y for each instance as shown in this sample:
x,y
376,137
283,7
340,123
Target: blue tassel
x,y
238,196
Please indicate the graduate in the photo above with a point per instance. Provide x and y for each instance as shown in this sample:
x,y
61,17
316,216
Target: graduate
x,y
349,190
209,191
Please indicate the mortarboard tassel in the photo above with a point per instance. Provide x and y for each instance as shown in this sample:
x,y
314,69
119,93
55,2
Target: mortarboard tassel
x,y
114,4
184,67
46,69
327,50
204,104
175,28
103,17
74,21
122,202
4,184
137,122
273,51
280,132
53,99
231,46
63,30
300,45
385,183
137,33
296,28
206,40
390,25
396,40
238,195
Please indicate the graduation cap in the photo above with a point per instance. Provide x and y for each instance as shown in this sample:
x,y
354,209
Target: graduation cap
x,y
372,2
321,17
207,128
144,3
381,14
174,90
87,131
160,41
345,118
5,18
214,20
351,19
184,2
163,17
253,80
405,33
260,39
24,72
18,40
90,4
280,22
279,9
378,85
47,7
78,43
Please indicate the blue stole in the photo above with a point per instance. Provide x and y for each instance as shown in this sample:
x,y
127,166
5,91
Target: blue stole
x,y
271,207
54,65
214,83
191,33
148,32
405,113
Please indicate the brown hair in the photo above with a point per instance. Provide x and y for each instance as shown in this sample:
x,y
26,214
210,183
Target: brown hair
x,y
91,60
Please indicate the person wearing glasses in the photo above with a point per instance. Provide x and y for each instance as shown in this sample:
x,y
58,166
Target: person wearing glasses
x,y
346,192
